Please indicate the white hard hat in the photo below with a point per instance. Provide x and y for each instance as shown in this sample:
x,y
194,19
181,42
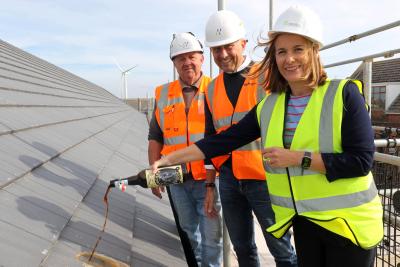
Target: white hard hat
x,y
224,27
184,42
299,20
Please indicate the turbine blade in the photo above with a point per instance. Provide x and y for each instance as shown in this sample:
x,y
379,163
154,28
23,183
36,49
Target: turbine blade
x,y
128,70
116,63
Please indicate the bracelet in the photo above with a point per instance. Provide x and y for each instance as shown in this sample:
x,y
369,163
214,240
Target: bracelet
x,y
210,184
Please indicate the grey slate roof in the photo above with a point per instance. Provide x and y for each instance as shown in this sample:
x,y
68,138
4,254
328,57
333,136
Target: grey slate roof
x,y
384,71
61,139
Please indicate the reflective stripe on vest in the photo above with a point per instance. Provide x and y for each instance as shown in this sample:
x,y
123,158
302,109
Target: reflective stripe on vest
x,y
260,89
229,120
237,116
224,115
328,203
177,140
195,137
350,206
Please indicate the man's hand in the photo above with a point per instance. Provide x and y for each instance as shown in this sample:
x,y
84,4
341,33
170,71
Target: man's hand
x,y
157,191
154,154
209,201
159,163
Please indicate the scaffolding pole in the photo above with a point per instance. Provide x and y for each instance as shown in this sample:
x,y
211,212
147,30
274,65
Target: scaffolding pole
x,y
271,13
385,158
390,143
392,130
385,54
225,234
361,35
367,80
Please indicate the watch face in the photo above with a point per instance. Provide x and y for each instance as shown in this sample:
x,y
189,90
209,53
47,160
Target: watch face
x,y
306,161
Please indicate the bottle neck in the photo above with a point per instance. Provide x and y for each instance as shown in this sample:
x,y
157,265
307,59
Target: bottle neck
x,y
137,180
132,180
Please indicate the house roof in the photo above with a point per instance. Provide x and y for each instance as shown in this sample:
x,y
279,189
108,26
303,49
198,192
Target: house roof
x,y
62,139
382,71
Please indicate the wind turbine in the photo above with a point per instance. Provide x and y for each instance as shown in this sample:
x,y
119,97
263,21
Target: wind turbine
x,y
124,92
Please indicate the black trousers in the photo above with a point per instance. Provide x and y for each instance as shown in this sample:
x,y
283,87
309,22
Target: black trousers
x,y
187,247
318,247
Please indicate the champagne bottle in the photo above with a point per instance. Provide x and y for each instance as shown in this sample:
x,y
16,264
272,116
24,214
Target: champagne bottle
x,y
147,179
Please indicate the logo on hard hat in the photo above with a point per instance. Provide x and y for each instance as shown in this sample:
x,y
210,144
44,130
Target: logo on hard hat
x,y
184,44
291,23
219,31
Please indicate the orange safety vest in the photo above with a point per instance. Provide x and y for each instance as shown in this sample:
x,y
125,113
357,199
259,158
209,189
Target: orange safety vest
x,y
246,160
181,130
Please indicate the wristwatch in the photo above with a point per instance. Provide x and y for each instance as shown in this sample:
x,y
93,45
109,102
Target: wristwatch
x,y
306,161
210,184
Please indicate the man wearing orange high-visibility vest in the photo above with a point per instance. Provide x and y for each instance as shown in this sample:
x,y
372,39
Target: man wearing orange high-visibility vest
x,y
243,189
179,121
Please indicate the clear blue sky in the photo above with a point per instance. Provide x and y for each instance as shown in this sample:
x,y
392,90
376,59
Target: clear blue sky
x,y
83,37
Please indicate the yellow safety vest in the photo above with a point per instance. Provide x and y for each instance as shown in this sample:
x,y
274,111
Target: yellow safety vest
x,y
349,207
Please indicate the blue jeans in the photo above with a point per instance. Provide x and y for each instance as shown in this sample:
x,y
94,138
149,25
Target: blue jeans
x,y
205,234
239,198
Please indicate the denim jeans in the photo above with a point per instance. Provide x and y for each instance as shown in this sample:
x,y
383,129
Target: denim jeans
x,y
239,198
205,234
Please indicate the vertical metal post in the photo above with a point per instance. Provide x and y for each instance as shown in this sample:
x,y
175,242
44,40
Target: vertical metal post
x,y
367,79
152,100
225,234
148,112
147,103
271,13
221,4
226,245
126,89
123,87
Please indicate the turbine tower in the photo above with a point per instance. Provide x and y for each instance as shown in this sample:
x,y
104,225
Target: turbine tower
x,y
124,92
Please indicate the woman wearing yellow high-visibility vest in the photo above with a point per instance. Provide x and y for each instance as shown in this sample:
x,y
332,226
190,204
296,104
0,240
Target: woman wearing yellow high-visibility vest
x,y
318,149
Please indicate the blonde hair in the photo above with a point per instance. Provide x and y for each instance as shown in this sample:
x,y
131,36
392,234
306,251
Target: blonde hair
x,y
272,78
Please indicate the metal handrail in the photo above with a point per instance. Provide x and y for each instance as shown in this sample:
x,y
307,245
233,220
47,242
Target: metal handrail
x,y
392,130
385,54
390,142
385,158
361,35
